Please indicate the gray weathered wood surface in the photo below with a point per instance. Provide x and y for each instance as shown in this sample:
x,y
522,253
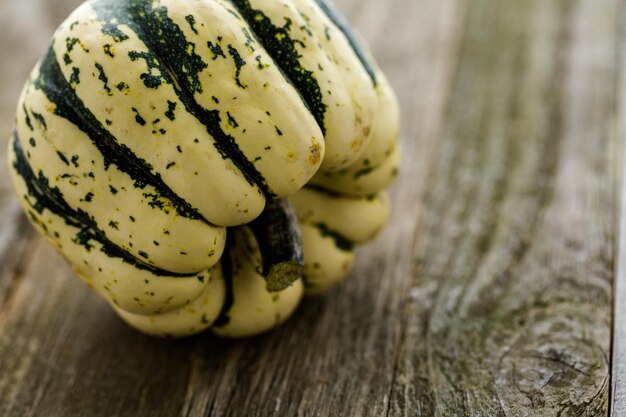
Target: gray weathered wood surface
x,y
491,293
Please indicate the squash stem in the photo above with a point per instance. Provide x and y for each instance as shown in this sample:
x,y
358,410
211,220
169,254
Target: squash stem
x,y
278,235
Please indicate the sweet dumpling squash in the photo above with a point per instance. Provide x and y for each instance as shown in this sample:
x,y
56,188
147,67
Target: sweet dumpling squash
x,y
157,141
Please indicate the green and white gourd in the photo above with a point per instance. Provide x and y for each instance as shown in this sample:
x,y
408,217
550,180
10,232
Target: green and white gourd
x,y
156,142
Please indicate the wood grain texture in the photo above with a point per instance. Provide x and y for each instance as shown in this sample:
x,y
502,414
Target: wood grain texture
x,y
489,294
618,374
513,290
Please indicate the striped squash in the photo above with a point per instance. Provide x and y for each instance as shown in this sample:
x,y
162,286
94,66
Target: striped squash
x,y
157,141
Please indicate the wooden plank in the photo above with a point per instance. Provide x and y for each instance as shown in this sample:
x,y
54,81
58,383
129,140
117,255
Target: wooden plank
x,y
13,229
511,313
64,354
618,373
335,357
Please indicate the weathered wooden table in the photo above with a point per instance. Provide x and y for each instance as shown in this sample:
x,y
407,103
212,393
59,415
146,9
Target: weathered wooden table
x,y
496,290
